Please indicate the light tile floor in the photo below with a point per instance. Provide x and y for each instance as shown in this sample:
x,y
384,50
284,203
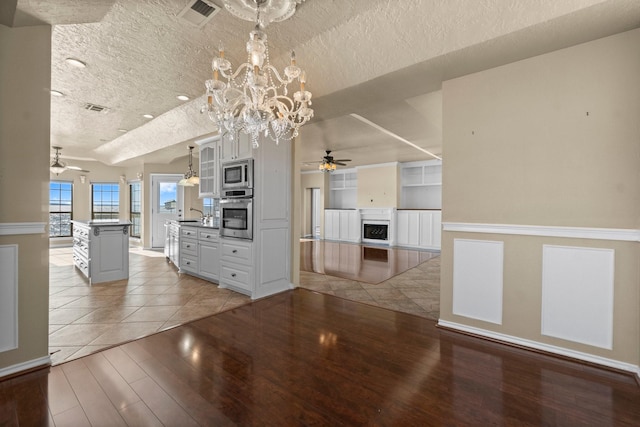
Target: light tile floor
x,y
416,291
84,319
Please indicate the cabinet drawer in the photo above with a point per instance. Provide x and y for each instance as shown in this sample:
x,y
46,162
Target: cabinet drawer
x,y
81,232
206,235
235,276
189,247
189,263
189,232
82,264
236,252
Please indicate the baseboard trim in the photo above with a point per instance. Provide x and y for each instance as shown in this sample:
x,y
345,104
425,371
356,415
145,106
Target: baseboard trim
x,y
546,348
24,367
624,235
16,228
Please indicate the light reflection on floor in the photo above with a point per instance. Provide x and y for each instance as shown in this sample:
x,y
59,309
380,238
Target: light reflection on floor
x,y
398,279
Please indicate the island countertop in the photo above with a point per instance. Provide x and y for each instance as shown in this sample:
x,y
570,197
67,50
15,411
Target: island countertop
x,y
93,223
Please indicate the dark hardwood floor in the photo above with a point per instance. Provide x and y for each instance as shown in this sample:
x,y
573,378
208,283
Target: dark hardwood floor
x,y
304,358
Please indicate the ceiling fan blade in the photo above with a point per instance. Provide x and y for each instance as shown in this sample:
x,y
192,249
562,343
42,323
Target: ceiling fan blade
x,y
76,168
342,160
338,163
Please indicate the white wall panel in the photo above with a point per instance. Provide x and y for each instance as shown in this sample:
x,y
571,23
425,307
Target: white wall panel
x,y
478,279
8,297
577,294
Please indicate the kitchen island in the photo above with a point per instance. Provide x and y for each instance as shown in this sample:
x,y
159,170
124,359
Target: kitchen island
x,y
101,249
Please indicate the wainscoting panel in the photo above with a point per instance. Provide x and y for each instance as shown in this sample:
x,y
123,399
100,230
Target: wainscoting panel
x,y
577,294
478,279
8,297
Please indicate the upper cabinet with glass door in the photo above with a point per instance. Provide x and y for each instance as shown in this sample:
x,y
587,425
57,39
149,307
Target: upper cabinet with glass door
x,y
210,149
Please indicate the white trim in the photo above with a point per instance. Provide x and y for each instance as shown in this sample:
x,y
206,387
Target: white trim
x,y
625,235
603,361
29,364
208,139
15,228
310,172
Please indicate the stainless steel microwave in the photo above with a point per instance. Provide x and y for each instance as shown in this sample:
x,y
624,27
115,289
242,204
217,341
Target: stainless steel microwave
x,y
237,174
236,218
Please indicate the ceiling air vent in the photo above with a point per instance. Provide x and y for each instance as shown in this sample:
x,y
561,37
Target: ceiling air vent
x,y
199,12
96,108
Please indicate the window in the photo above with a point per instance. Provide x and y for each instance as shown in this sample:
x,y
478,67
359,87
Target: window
x,y
105,201
207,206
212,207
60,208
135,206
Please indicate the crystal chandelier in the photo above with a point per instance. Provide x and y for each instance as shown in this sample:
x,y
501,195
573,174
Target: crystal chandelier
x,y
190,177
255,97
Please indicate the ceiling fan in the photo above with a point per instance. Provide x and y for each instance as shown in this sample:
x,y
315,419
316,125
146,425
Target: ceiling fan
x,y
328,163
58,166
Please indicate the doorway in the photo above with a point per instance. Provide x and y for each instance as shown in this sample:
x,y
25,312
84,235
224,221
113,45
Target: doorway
x,y
315,213
167,203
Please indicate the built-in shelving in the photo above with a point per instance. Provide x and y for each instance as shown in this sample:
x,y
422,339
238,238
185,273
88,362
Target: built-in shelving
x,y
421,185
343,187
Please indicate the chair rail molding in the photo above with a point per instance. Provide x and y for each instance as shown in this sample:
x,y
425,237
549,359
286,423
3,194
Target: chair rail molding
x,y
619,234
16,228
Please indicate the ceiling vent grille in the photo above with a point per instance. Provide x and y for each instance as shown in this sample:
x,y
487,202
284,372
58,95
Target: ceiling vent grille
x,y
199,12
96,108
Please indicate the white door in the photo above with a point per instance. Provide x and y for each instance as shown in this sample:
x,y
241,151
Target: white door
x,y
166,204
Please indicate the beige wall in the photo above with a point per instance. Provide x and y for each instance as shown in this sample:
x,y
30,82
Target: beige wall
x,y
25,76
552,140
378,186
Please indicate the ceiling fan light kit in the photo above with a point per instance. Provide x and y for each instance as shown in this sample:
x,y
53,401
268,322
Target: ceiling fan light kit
x,y
58,166
255,98
329,164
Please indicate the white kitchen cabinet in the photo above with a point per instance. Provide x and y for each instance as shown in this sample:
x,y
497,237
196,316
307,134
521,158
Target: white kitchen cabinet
x,y
418,228
210,149
238,147
101,250
342,224
235,265
188,250
209,254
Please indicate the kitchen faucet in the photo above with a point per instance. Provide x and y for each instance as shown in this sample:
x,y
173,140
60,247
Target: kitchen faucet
x,y
197,210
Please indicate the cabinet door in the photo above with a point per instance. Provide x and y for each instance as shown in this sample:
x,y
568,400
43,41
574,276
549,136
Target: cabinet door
x,y
244,147
209,170
354,226
407,230
209,260
228,146
331,225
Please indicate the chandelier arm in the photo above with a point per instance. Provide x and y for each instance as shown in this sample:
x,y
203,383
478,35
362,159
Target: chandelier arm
x,y
232,76
275,71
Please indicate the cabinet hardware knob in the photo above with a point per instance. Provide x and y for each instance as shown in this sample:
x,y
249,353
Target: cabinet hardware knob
x,y
233,274
235,251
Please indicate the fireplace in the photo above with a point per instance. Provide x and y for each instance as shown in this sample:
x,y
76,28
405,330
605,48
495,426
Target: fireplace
x,y
377,226
375,231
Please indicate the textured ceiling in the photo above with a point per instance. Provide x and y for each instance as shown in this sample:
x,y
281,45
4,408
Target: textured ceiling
x,y
384,60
